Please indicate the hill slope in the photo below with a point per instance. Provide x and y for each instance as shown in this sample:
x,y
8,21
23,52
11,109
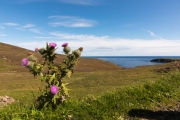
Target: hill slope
x,y
12,56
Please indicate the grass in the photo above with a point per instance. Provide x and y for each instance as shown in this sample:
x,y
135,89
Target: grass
x,y
99,90
81,84
107,106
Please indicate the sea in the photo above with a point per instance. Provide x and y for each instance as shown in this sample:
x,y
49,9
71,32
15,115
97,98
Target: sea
x,y
131,61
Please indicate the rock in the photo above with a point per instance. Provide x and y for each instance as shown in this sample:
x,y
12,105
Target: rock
x,y
163,60
4,100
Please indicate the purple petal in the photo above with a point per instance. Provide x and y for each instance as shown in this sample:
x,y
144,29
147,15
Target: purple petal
x,y
64,45
36,49
24,62
54,89
52,45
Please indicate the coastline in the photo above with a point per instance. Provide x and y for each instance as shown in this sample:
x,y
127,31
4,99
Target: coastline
x,y
132,61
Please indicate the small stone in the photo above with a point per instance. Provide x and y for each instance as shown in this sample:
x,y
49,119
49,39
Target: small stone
x,y
4,100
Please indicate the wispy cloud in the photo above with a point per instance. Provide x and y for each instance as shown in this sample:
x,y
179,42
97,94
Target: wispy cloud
x,y
28,26
25,27
118,47
10,24
62,35
104,45
70,21
36,30
152,34
31,28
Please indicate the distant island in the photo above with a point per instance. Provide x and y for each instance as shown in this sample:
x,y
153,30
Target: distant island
x,y
163,60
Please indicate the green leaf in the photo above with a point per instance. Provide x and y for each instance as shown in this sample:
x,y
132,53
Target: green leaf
x,y
54,100
69,74
52,77
46,104
65,90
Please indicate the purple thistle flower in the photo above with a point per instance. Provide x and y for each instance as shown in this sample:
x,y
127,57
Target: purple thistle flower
x,y
64,45
24,62
36,49
54,89
52,45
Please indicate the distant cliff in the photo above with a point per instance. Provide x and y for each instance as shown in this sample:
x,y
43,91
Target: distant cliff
x,y
163,60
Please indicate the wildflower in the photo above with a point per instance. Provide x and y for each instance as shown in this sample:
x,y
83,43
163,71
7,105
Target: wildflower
x,y
54,89
53,45
64,45
24,62
66,49
36,49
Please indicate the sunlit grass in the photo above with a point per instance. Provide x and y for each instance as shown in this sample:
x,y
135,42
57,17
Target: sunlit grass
x,y
80,84
107,106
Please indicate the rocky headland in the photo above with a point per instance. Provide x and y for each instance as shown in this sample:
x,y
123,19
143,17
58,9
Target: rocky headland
x,y
164,60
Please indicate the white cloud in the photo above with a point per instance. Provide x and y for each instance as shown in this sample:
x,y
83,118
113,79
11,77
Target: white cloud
x,y
70,21
10,24
152,34
28,26
35,30
104,46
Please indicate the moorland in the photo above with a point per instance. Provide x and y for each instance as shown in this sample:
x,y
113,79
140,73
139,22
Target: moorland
x,y
98,90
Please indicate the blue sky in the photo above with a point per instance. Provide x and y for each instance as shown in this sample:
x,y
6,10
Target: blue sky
x,y
102,27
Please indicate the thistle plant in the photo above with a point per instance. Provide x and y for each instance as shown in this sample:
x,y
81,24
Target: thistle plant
x,y
52,73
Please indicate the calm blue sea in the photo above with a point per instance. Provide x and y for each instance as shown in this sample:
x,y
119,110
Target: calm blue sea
x,y
131,61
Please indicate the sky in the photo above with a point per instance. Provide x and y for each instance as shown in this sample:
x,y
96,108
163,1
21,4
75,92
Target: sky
x,y
101,27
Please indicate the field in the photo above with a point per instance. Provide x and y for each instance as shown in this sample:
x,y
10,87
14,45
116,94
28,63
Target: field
x,y
98,89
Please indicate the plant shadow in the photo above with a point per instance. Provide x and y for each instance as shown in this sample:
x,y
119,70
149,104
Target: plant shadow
x,y
154,115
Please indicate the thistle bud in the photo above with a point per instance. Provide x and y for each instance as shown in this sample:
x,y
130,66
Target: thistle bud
x,y
32,58
77,53
30,64
67,49
41,51
81,49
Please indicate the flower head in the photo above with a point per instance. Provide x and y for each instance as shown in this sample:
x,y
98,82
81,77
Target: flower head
x,y
54,89
64,45
81,49
52,45
67,49
36,49
24,62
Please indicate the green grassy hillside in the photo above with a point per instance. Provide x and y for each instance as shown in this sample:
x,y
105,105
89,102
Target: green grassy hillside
x,y
92,77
